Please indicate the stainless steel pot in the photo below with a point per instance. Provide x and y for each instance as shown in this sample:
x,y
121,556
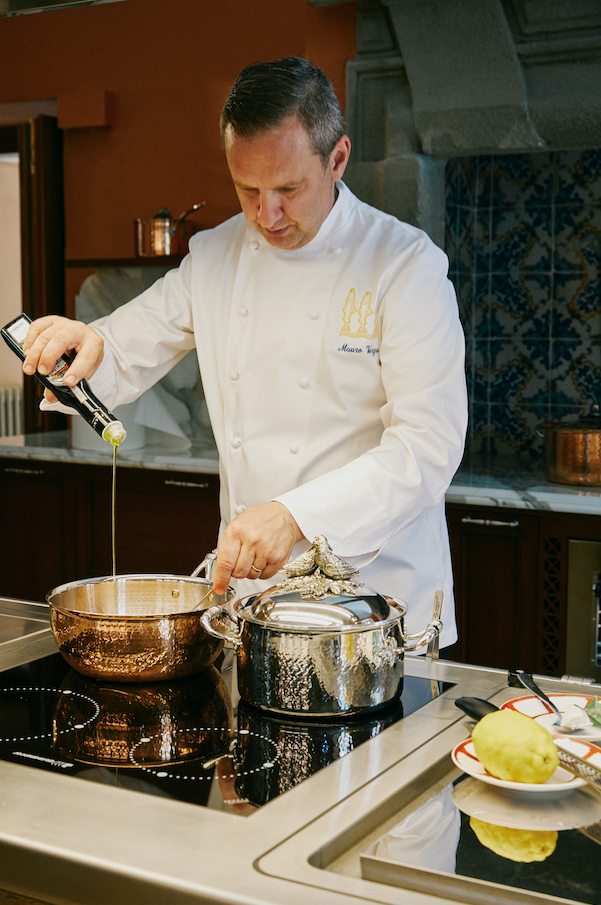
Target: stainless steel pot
x,y
164,234
573,450
319,642
136,628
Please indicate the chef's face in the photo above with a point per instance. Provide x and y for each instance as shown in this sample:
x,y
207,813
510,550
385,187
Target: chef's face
x,y
284,189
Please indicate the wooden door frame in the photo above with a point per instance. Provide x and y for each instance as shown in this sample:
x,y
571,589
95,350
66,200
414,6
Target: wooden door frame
x,y
39,144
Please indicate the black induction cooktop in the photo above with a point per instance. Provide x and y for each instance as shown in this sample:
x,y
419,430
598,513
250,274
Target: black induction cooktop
x,y
182,739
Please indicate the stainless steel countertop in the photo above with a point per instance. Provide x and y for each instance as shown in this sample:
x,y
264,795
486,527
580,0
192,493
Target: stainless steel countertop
x,y
25,632
76,842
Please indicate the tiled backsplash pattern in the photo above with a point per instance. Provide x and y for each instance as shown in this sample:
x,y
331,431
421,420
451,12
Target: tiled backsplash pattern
x,y
523,236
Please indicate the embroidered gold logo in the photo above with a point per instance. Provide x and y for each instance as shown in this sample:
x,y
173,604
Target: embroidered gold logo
x,y
359,322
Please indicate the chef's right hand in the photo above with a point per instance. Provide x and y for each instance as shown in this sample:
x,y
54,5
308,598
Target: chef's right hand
x,y
50,337
255,544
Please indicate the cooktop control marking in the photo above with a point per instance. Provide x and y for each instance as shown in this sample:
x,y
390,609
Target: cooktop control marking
x,y
26,690
232,752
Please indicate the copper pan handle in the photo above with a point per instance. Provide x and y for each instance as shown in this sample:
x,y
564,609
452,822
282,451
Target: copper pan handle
x,y
207,564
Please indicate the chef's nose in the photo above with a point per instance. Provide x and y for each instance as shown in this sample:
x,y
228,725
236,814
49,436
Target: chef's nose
x,y
270,210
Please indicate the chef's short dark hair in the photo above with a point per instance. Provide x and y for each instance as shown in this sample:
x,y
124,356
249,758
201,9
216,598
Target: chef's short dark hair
x,y
264,94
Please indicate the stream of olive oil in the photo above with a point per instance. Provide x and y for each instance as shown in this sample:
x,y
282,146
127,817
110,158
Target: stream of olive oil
x,y
113,508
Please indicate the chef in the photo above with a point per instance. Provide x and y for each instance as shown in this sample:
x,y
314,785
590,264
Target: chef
x,y
330,350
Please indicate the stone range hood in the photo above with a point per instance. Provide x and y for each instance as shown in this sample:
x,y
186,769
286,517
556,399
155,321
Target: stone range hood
x,y
435,79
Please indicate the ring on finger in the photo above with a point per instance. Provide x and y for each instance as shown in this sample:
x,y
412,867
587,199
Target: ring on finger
x,y
258,571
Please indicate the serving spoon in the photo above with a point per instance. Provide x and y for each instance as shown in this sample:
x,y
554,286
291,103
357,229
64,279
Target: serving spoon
x,y
519,677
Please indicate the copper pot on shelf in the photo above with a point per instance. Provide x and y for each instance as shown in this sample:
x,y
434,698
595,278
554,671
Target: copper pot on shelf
x,y
164,235
573,450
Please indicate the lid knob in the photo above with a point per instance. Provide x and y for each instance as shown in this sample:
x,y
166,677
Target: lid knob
x,y
318,573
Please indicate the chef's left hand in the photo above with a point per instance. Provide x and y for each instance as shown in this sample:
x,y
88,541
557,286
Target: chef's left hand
x,y
256,544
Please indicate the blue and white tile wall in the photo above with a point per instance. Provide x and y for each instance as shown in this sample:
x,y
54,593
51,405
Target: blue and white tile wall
x,y
523,236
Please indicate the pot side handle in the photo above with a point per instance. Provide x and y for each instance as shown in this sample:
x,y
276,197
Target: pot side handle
x,y
432,630
208,564
210,620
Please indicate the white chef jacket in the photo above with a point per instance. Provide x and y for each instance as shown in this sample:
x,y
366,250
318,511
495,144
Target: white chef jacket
x,y
334,380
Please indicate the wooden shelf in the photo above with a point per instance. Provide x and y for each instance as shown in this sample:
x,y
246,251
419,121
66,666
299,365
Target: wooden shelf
x,y
156,261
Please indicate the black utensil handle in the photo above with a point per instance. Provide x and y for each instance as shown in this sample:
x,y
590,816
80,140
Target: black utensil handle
x,y
475,707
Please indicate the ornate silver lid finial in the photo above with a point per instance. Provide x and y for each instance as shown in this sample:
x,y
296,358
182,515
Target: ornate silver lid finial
x,y
318,573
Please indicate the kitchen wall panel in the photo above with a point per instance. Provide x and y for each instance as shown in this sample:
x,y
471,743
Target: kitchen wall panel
x,y
169,65
523,235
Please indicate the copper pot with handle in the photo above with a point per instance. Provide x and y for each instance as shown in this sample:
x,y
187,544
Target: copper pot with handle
x,y
573,450
163,234
136,628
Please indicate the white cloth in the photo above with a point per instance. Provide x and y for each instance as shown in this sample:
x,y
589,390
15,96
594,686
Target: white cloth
x,y
334,380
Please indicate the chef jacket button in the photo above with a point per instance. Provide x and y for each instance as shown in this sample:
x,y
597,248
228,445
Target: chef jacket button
x,y
314,315
240,508
305,383
234,375
236,442
254,245
243,311
294,448
337,250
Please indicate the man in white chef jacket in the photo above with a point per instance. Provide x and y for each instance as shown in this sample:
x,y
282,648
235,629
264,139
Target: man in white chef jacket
x,y
330,350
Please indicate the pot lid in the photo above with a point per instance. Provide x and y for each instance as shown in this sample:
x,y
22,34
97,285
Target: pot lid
x,y
590,421
336,613
321,592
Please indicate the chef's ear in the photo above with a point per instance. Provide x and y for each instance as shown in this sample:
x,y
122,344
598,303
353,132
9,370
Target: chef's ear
x,y
339,157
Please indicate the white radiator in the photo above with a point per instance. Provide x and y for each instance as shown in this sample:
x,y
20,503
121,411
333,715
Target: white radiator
x,y
11,411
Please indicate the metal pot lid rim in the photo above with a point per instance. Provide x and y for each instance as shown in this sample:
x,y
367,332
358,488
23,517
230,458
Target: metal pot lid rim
x,y
344,613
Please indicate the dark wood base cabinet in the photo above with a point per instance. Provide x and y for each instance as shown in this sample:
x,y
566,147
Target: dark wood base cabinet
x,y
510,570
56,523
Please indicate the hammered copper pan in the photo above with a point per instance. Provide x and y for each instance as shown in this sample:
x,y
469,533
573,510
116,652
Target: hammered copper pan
x,y
135,628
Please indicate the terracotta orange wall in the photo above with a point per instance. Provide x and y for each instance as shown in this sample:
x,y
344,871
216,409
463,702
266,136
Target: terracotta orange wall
x,y
169,64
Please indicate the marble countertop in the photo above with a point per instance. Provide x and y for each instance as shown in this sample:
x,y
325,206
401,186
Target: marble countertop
x,y
56,446
518,485
479,481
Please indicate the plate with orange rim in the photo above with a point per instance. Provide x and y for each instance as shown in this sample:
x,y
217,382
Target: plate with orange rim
x,y
532,706
464,756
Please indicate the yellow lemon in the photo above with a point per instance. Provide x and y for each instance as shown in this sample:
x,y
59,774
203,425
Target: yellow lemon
x,y
514,747
516,845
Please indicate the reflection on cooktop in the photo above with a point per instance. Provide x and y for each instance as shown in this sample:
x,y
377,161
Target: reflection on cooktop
x,y
182,739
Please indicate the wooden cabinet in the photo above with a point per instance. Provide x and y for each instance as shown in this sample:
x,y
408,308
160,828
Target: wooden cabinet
x,y
56,523
494,566
165,521
510,571
37,528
